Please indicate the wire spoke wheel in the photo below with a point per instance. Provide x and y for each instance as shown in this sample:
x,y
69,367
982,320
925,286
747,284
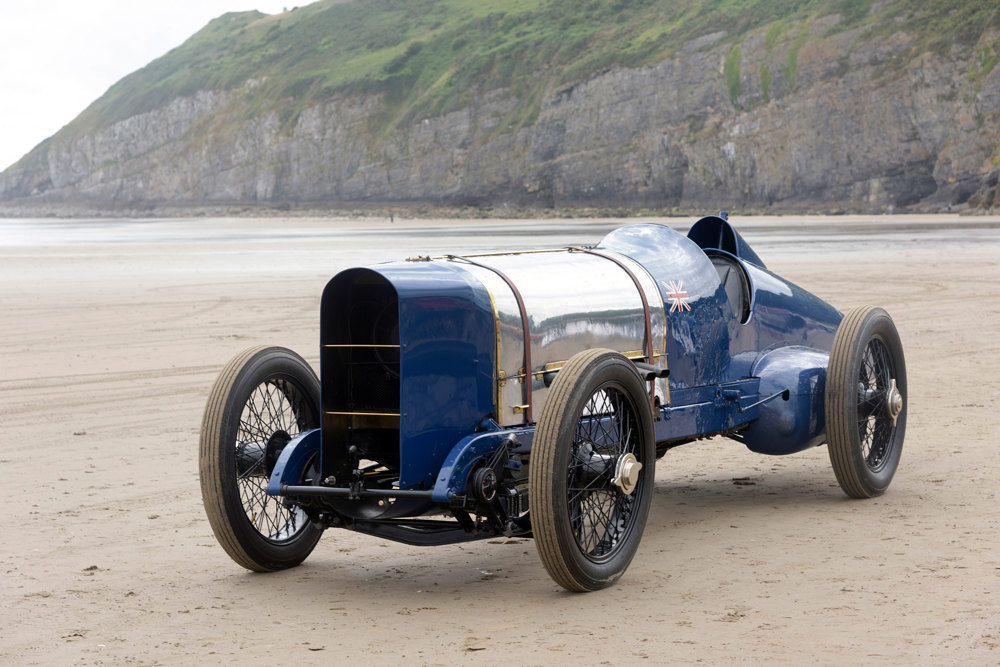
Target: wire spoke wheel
x,y
600,514
591,471
875,424
262,399
865,402
275,412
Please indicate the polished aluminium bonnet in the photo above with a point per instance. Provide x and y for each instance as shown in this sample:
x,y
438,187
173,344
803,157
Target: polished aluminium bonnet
x,y
574,301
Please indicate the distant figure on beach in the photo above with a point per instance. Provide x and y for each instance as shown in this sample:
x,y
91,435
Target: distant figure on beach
x,y
391,219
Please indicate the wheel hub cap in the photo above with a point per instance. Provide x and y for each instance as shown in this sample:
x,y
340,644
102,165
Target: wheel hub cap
x,y
627,473
894,402
275,444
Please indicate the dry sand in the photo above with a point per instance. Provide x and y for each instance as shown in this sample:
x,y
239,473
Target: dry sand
x,y
108,348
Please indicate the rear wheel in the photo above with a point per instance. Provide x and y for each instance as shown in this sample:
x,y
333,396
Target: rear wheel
x,y
263,398
866,402
591,471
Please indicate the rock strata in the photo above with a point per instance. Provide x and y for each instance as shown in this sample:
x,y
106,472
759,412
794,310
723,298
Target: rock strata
x,y
830,122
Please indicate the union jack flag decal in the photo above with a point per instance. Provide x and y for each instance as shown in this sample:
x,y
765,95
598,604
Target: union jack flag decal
x,y
677,296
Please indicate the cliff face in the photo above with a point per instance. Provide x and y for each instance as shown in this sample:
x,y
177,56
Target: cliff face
x,y
813,116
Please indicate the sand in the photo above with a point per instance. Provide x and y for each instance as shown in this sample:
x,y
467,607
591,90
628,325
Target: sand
x,y
112,334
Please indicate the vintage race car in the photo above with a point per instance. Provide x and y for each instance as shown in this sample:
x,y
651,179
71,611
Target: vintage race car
x,y
530,394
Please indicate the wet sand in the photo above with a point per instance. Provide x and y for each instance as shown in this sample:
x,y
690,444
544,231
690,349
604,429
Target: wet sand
x,y
114,331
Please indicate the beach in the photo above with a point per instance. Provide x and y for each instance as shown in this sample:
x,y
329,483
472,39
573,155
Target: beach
x,y
114,330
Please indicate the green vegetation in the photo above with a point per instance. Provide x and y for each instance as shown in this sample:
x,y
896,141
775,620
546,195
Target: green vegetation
x,y
731,70
791,67
987,59
853,11
765,81
940,24
428,57
774,32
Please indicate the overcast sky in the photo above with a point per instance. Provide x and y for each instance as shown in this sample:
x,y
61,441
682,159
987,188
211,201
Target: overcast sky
x,y
58,56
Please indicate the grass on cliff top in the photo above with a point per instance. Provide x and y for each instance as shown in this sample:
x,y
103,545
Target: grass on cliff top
x,y
427,57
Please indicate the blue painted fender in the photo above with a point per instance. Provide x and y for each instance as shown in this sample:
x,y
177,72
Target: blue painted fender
x,y
463,456
798,423
292,461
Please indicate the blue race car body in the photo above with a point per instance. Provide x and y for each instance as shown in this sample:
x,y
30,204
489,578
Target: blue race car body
x,y
440,377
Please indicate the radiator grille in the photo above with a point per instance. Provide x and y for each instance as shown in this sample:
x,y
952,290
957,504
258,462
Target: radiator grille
x,y
360,365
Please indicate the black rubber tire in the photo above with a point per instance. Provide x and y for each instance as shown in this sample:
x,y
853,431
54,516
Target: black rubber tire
x,y
562,543
270,389
863,443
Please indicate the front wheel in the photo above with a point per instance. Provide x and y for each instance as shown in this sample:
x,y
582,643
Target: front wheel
x,y
866,402
591,471
263,398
